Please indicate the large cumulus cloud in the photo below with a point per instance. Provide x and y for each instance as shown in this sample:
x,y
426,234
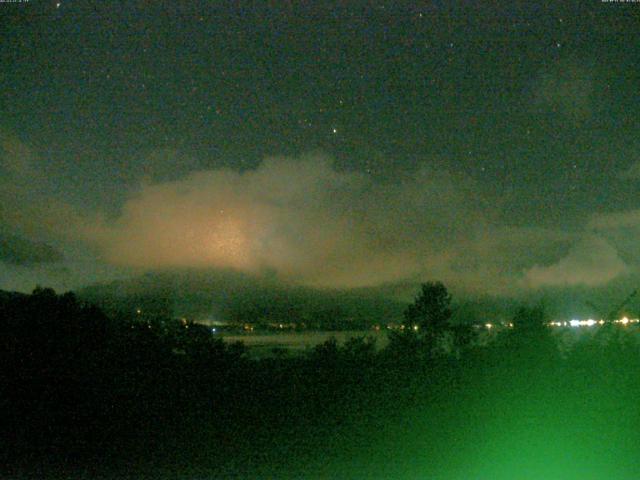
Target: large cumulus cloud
x,y
298,217
303,221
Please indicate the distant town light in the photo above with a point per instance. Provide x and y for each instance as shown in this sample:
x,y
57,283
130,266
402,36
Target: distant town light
x,y
591,322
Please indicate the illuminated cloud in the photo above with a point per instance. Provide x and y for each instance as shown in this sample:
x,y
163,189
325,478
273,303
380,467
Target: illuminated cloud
x,y
306,222
592,261
494,260
298,217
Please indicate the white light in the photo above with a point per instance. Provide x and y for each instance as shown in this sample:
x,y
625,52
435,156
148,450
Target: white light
x,y
574,323
488,325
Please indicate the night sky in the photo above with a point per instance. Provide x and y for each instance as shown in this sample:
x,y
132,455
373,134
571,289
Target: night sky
x,y
494,148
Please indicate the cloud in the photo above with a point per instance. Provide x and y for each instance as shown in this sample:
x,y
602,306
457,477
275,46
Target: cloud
x,y
308,223
298,217
566,90
620,229
591,262
305,221
495,259
26,206
16,158
20,251
629,220
631,173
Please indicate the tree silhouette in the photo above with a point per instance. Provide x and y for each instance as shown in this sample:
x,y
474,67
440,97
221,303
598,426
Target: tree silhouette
x,y
530,343
426,322
530,320
431,310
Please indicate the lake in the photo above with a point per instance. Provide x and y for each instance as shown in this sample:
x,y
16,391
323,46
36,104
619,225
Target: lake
x,y
263,344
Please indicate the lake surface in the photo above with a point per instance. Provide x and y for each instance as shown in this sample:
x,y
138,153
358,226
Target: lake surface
x,y
262,344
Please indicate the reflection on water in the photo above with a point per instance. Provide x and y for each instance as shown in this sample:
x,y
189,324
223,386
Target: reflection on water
x,y
262,343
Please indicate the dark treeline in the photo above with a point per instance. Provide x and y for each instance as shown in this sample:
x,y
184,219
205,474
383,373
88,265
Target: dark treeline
x,y
84,395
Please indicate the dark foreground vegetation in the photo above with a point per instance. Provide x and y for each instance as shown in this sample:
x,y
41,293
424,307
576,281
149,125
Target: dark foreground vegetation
x,y
86,396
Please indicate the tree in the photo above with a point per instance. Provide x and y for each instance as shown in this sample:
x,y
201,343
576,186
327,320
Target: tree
x,y
530,320
531,342
427,327
431,310
426,323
